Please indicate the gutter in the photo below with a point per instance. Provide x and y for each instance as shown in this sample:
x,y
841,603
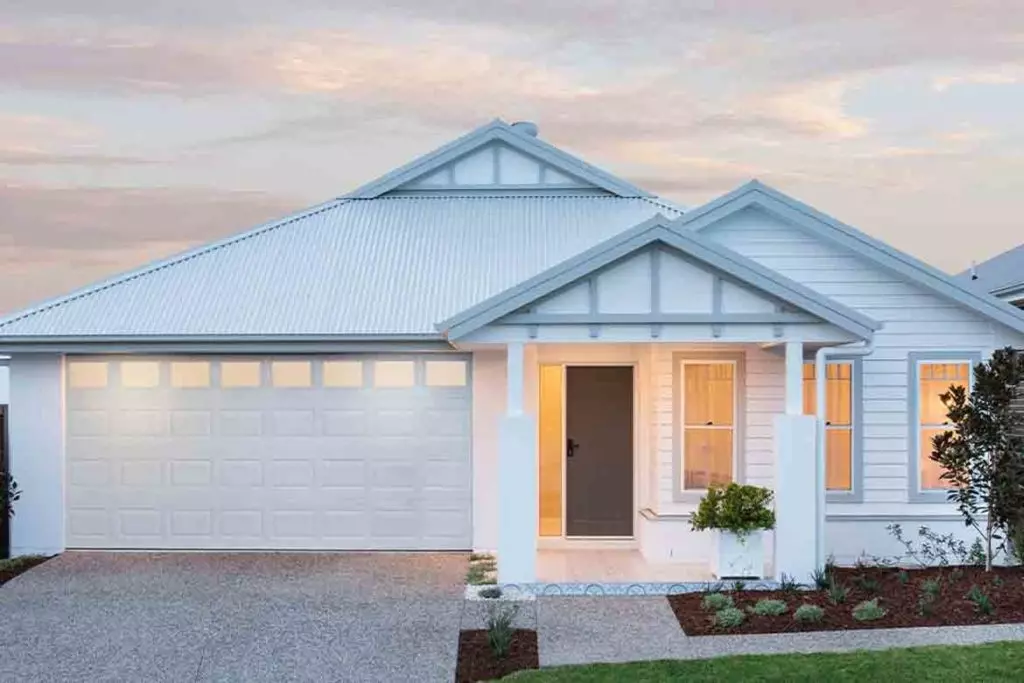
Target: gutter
x,y
820,367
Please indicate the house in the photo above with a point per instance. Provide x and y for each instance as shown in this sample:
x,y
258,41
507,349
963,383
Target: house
x,y
501,347
1002,275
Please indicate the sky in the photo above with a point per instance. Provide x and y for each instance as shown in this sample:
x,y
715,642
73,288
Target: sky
x,y
132,130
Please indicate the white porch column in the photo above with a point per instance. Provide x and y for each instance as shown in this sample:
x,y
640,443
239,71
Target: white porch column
x,y
517,480
795,478
36,438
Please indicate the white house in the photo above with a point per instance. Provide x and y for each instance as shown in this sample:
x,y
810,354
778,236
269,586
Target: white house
x,y
501,347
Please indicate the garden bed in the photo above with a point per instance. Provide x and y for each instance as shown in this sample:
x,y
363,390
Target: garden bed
x,y
477,661
19,565
912,597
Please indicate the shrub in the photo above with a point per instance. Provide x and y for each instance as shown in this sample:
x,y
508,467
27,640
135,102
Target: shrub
x,y
931,587
491,592
809,614
788,583
932,549
821,578
739,586
997,581
715,602
982,603
739,508
868,610
903,577
867,584
500,618
730,617
769,608
837,593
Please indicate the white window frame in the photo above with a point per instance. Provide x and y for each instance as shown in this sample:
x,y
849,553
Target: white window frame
x,y
915,494
679,361
855,494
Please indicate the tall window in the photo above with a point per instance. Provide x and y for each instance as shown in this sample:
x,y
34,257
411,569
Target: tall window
x,y
933,380
838,421
708,422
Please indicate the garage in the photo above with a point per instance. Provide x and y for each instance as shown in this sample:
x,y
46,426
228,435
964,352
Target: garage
x,y
239,452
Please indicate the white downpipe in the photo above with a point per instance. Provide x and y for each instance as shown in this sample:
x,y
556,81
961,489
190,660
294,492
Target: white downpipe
x,y
820,387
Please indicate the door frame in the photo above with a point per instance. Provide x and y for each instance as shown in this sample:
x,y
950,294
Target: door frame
x,y
564,540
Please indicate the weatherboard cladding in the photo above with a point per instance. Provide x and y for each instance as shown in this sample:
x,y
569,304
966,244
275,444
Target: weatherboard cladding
x,y
386,266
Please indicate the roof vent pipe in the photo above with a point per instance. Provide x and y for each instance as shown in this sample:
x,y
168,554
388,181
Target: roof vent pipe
x,y
526,128
974,270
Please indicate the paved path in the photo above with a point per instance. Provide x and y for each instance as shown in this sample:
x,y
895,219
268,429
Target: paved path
x,y
233,617
581,630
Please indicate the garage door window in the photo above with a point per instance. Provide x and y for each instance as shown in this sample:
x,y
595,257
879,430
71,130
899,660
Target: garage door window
x,y
446,373
394,373
343,373
291,373
140,374
87,375
236,374
190,374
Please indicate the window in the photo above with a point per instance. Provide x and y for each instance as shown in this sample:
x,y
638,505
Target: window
x,y
87,374
190,374
394,373
236,374
446,373
934,378
140,374
707,417
838,420
343,373
291,373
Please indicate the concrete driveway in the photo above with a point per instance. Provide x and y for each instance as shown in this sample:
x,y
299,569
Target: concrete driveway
x,y
233,617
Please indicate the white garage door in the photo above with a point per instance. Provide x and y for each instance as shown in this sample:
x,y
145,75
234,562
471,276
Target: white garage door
x,y
269,453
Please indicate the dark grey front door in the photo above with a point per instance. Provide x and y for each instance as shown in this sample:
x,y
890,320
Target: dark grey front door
x,y
599,451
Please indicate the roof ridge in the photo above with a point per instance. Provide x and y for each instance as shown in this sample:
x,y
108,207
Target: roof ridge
x,y
161,264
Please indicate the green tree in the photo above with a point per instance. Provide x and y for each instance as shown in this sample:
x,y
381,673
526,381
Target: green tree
x,y
983,456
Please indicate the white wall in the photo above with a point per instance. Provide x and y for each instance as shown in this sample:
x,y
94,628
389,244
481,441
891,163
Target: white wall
x,y
488,409
5,386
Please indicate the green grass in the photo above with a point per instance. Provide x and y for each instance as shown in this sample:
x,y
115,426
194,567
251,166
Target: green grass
x,y
21,561
994,662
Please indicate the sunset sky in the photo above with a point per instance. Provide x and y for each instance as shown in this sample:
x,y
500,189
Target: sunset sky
x,y
132,129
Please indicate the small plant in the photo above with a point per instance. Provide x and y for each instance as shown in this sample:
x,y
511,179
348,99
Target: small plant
x,y
739,586
500,618
821,577
956,574
730,617
982,603
903,576
769,608
868,610
926,605
867,584
809,614
997,581
715,602
480,557
482,570
787,583
9,494
490,593
932,549
837,593
976,555
931,587
738,508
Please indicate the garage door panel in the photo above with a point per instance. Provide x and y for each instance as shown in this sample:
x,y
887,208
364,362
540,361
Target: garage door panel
x,y
201,465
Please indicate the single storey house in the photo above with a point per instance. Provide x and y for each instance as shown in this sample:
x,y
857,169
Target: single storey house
x,y
500,347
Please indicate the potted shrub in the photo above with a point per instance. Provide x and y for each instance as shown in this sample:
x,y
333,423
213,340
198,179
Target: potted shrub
x,y
739,515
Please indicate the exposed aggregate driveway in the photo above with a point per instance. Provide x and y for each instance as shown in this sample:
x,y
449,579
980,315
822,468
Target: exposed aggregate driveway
x,y
233,617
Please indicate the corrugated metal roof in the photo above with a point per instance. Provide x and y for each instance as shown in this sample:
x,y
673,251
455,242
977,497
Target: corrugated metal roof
x,y
999,272
387,266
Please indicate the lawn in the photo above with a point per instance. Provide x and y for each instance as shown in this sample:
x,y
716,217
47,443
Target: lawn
x,y
994,662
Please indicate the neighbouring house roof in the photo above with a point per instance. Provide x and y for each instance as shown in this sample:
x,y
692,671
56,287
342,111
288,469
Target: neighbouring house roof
x,y
387,267
827,228
657,230
1002,275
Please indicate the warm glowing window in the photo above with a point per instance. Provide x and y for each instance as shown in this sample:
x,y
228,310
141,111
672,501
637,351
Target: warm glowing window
x,y
291,373
838,421
87,374
394,373
190,374
708,423
552,445
343,373
446,373
234,374
140,374
933,380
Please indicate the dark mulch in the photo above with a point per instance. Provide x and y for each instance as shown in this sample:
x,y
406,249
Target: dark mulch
x,y
18,565
478,663
1003,585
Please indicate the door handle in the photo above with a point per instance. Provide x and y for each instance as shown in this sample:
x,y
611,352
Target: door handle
x,y
570,447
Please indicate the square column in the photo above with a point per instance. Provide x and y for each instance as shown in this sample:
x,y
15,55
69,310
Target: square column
x,y
36,438
517,480
794,378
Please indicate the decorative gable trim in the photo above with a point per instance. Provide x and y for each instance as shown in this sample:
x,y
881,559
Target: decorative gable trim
x,y
826,228
567,173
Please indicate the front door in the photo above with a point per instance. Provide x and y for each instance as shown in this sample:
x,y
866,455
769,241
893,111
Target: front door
x,y
599,451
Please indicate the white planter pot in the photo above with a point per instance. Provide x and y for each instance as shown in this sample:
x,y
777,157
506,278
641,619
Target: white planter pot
x,y
738,557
